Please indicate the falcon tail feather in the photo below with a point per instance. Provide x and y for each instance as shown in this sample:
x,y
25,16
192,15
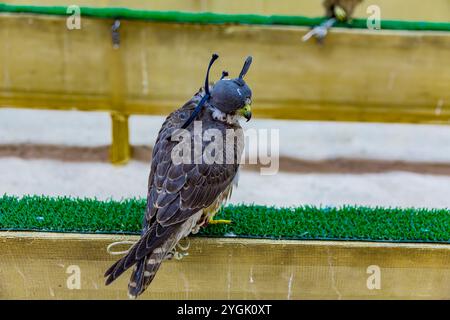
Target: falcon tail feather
x,y
146,269
146,246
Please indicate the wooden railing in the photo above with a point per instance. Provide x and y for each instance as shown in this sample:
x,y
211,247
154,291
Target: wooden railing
x,y
356,75
417,10
71,266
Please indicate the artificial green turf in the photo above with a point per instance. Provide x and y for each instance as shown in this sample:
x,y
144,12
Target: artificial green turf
x,y
217,18
39,213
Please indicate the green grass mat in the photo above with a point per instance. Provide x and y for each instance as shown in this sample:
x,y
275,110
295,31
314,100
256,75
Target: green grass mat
x,y
39,213
218,18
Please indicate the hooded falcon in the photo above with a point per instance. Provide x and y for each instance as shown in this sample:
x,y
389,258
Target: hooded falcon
x,y
335,10
184,195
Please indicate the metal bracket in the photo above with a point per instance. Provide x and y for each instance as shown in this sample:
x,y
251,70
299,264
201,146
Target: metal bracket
x,y
320,31
115,35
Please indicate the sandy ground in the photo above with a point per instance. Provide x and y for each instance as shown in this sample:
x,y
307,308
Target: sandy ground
x,y
305,139
300,140
104,181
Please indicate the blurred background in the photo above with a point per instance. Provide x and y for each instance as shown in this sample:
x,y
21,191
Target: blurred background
x,y
363,117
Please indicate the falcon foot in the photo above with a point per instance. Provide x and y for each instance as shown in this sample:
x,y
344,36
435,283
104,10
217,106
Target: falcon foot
x,y
178,255
207,221
219,221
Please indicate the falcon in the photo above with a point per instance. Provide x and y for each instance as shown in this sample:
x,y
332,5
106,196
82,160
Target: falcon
x,y
184,196
335,10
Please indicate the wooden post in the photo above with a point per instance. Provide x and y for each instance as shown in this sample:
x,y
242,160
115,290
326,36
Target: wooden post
x,y
120,151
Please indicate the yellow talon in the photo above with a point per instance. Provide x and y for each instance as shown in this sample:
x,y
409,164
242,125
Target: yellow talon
x,y
211,221
340,13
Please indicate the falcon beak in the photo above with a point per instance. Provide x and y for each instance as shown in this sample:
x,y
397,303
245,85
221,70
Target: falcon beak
x,y
246,112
